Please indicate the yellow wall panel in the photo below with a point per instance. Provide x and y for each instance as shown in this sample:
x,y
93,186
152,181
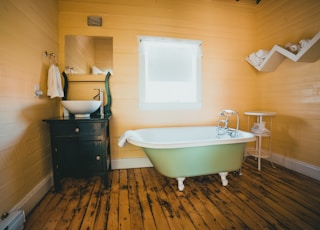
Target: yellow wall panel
x,y
229,31
292,89
226,31
28,28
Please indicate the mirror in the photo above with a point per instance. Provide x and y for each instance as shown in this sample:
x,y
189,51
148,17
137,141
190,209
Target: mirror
x,y
88,54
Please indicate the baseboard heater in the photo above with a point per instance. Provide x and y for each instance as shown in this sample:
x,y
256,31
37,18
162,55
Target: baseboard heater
x,y
13,221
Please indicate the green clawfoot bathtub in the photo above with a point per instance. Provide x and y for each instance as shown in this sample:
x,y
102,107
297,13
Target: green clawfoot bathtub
x,y
180,152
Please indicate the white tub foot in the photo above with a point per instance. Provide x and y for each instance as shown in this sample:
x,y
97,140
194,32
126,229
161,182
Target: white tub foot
x,y
224,180
180,183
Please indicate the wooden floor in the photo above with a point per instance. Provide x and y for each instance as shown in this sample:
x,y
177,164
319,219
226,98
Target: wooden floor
x,y
274,198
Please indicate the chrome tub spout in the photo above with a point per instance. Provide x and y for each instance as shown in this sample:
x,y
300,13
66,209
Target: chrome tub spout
x,y
224,116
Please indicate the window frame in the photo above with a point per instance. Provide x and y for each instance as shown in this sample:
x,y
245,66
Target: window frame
x,y
196,103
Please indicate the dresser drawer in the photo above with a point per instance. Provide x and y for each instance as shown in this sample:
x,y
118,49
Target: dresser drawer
x,y
78,129
79,148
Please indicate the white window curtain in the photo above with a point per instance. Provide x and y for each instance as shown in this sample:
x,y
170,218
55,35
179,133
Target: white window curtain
x,y
170,73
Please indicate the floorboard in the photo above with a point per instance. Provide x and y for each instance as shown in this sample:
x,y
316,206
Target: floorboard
x,y
273,198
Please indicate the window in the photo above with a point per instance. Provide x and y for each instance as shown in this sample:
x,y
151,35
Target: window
x,y
170,73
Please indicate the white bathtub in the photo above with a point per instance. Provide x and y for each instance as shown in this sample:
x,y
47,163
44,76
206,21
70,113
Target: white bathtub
x,y
181,152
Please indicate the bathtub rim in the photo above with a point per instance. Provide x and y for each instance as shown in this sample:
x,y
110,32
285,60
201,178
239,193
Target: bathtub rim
x,y
249,137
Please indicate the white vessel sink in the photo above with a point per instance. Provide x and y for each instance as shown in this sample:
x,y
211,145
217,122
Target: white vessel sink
x,y
81,108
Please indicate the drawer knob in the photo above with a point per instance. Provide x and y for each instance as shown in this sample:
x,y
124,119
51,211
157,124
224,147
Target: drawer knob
x,y
76,130
98,158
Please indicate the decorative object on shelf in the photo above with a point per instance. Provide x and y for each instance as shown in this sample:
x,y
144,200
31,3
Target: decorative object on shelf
x,y
96,71
306,51
260,128
296,48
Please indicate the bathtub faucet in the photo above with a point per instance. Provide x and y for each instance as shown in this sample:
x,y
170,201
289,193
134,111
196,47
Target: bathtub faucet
x,y
224,119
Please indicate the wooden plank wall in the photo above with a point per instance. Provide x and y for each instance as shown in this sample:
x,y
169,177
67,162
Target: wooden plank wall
x,y
84,52
27,28
293,89
226,28
79,53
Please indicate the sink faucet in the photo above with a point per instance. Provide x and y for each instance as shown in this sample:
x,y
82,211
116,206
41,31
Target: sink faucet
x,y
100,95
226,114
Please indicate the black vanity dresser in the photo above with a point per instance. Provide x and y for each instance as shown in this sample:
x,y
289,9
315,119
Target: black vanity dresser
x,y
80,147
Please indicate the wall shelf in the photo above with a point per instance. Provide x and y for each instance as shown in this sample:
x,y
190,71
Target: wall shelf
x,y
86,78
309,53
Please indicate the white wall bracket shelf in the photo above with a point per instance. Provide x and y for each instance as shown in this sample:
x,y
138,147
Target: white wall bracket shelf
x,y
309,53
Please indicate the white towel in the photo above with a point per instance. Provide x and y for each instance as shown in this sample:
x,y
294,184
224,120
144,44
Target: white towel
x,y
54,82
252,56
304,42
262,53
256,61
126,135
96,70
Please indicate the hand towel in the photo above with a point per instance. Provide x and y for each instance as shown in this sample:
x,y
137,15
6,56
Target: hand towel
x,y
304,42
252,56
54,82
256,61
262,53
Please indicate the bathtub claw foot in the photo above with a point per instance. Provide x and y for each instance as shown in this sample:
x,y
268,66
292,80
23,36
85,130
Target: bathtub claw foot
x,y
180,183
224,180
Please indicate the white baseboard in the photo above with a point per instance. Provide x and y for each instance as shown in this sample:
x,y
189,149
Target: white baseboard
x,y
127,163
295,165
298,166
35,195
